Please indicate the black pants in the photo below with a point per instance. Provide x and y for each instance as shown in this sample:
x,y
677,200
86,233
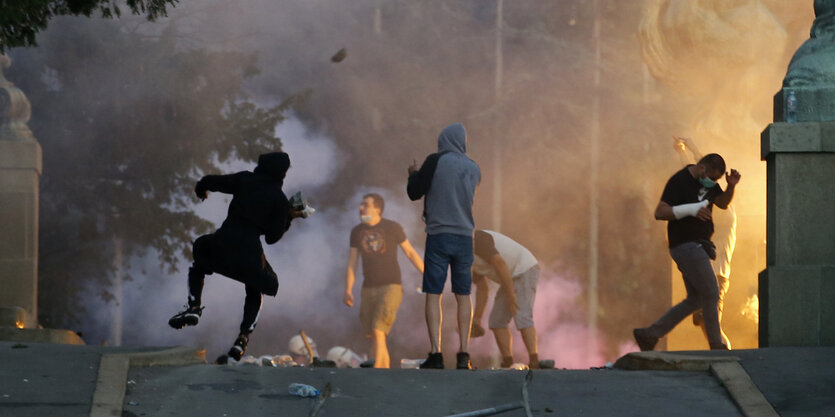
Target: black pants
x,y
239,261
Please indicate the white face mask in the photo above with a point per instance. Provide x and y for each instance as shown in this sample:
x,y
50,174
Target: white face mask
x,y
365,218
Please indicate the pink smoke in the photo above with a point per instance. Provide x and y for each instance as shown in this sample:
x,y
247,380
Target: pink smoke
x,y
561,321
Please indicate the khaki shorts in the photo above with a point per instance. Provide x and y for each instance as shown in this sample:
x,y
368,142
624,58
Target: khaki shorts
x,y
525,287
378,307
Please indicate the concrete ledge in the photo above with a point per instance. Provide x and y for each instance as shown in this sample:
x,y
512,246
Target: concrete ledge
x,y
743,392
667,361
65,337
797,137
726,369
178,356
110,386
113,375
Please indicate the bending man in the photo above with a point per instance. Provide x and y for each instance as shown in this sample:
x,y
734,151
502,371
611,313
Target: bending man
x,y
512,266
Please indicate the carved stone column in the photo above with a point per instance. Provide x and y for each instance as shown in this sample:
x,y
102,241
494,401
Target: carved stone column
x,y
20,170
797,289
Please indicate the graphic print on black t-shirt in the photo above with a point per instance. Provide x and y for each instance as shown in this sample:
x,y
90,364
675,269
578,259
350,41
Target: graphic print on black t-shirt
x,y
682,188
373,241
377,246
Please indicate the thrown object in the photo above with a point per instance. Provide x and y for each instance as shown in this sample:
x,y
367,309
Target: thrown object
x,y
339,56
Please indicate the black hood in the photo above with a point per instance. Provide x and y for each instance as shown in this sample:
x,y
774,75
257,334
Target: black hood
x,y
273,165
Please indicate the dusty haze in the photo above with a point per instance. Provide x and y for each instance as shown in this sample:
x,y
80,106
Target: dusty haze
x,y
703,69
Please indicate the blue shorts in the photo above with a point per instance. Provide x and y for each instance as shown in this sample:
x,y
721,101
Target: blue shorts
x,y
443,251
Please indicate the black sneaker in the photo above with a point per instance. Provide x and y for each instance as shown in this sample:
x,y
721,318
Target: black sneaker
x,y
367,364
463,361
238,349
433,361
645,341
190,317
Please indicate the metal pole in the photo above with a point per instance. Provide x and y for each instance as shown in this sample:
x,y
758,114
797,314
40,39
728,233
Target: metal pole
x,y
497,163
594,209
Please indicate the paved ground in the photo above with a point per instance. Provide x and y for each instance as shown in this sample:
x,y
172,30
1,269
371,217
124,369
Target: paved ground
x,y
60,380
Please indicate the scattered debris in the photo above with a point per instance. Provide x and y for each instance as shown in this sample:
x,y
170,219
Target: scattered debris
x,y
411,363
344,357
314,359
519,366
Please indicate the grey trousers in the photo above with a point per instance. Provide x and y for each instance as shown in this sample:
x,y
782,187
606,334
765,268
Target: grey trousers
x,y
702,293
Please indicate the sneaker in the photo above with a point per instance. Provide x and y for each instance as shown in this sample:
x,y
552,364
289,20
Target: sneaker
x,y
645,341
433,361
190,317
462,361
477,331
238,349
367,364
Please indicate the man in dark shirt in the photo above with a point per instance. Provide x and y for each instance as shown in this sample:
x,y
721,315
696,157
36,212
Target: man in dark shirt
x,y
686,205
258,207
376,240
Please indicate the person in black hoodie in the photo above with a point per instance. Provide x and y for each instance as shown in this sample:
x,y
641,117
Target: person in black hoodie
x,y
258,207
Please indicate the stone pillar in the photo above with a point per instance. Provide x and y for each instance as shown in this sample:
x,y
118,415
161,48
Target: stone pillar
x,y
20,170
797,289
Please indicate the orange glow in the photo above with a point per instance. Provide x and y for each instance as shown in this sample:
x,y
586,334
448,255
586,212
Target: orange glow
x,y
19,324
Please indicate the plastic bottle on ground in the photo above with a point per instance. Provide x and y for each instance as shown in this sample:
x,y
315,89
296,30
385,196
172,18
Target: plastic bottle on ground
x,y
302,390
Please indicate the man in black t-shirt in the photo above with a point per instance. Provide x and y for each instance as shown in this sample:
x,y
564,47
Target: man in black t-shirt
x,y
686,205
376,240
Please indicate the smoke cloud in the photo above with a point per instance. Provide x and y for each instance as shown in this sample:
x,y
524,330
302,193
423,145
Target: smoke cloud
x,y
705,69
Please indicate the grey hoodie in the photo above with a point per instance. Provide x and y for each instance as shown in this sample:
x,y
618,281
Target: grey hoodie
x,y
449,198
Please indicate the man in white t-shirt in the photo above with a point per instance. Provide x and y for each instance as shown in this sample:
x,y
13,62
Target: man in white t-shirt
x,y
511,265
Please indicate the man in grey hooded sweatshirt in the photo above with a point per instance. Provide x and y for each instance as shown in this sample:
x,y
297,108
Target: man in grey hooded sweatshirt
x,y
447,180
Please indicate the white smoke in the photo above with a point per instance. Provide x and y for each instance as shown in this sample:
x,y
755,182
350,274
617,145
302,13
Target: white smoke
x,y
309,260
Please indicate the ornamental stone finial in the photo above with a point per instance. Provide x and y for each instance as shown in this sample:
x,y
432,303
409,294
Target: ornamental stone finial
x,y
15,109
813,65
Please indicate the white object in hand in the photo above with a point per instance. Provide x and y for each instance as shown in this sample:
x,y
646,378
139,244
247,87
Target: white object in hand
x,y
683,210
